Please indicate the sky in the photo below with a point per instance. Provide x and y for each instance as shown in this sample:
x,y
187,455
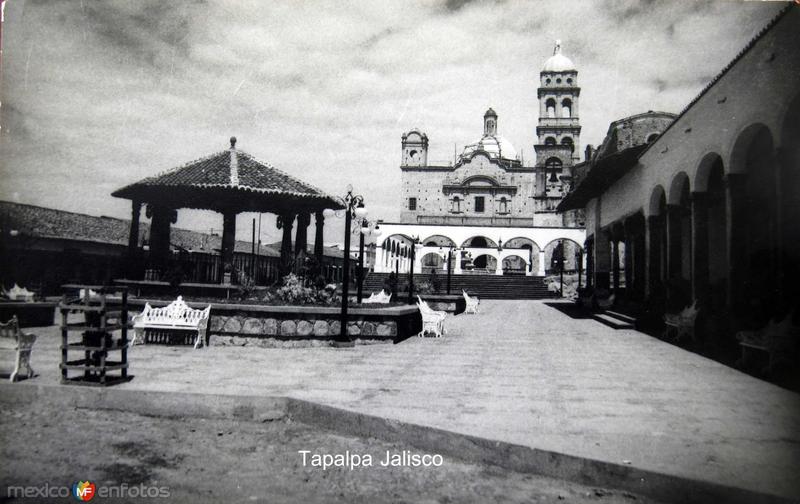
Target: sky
x,y
98,94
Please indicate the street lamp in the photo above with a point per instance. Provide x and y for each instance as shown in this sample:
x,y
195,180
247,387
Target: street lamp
x,y
450,250
353,208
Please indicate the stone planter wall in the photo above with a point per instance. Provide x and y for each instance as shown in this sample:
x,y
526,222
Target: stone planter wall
x,y
240,324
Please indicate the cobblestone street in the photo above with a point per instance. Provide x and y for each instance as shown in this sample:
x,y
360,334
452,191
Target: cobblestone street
x,y
524,373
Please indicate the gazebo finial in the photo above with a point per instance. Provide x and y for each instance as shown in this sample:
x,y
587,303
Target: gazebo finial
x,y
234,163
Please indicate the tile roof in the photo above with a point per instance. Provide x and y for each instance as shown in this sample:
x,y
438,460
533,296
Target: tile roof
x,y
218,175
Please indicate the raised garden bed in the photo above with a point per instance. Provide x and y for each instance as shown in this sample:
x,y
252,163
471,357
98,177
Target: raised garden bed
x,y
246,324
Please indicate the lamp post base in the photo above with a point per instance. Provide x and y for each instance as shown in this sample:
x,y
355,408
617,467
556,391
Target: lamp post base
x,y
344,344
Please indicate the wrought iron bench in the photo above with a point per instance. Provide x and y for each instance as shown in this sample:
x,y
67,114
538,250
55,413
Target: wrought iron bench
x,y
381,298
472,303
778,339
682,323
12,339
176,316
432,320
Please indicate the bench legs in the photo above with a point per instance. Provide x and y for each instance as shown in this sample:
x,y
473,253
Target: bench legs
x,y
201,338
22,365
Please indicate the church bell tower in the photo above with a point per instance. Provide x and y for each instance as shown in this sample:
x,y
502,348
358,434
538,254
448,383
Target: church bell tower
x,y
559,129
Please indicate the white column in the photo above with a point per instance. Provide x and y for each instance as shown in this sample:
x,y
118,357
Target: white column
x,y
541,263
457,261
499,270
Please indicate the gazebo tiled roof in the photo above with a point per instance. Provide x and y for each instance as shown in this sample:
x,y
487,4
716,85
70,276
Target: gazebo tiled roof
x,y
228,180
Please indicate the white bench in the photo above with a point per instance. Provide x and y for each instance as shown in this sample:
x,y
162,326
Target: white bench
x,y
472,303
14,340
681,323
432,320
176,316
381,298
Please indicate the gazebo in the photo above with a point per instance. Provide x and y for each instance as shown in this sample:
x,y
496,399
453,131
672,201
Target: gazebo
x,y
228,182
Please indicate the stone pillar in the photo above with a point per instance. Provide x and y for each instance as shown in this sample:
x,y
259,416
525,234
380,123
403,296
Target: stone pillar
x,y
161,217
615,263
736,208
655,231
589,262
541,271
301,236
456,262
700,246
228,237
674,240
499,269
602,260
285,222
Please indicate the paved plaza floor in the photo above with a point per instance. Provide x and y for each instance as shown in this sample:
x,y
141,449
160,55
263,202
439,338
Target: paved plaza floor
x,y
525,373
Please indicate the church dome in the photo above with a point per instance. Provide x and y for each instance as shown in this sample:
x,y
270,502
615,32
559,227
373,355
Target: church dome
x,y
558,62
495,146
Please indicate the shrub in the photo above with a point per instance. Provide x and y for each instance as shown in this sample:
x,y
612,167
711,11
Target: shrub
x,y
293,291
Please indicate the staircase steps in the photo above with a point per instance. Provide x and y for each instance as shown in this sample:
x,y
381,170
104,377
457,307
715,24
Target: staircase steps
x,y
615,320
483,286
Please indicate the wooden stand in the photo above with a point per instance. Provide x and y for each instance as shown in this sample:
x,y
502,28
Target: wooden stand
x,y
98,340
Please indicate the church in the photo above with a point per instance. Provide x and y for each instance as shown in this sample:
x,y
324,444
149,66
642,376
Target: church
x,y
495,212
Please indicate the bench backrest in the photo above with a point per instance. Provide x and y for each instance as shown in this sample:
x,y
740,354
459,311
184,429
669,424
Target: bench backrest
x,y
176,312
10,330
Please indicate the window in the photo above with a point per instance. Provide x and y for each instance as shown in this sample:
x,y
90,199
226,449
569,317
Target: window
x,y
547,81
412,203
568,142
455,205
566,108
549,141
551,107
652,138
479,203
503,205
558,81
569,81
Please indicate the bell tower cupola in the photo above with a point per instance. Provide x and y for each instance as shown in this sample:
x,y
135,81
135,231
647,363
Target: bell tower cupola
x,y
490,123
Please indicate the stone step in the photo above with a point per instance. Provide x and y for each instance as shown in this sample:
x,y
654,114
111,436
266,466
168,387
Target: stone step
x,y
612,322
620,316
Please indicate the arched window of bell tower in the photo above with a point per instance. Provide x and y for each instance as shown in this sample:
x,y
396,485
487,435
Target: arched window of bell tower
x,y
550,141
551,107
566,107
568,142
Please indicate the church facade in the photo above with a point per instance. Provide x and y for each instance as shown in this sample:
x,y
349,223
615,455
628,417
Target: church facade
x,y
498,213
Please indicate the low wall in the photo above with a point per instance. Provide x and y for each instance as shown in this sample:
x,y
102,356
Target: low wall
x,y
243,324
35,314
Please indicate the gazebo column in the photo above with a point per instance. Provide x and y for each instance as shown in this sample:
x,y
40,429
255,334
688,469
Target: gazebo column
x,y
285,222
319,223
161,217
228,237
133,238
301,236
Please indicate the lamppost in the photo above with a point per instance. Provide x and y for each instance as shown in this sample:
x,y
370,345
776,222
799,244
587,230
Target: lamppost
x,y
450,250
353,207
